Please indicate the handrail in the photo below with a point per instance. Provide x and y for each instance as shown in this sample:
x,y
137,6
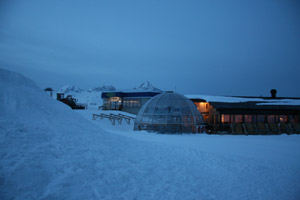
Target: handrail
x,y
113,117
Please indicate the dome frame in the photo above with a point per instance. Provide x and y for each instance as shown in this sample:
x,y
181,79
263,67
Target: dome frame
x,y
169,112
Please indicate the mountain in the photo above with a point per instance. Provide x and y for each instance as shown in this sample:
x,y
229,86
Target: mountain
x,y
67,89
148,87
90,97
104,88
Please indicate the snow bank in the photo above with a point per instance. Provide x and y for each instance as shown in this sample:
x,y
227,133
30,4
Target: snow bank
x,y
23,102
40,138
48,151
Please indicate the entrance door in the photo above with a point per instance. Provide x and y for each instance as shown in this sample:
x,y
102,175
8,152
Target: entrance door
x,y
115,103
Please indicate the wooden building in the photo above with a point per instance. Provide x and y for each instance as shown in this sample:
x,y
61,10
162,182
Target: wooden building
x,y
249,115
127,101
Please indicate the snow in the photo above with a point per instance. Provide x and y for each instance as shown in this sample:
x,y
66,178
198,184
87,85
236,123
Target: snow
x,y
210,98
91,98
143,87
228,99
48,151
147,86
283,102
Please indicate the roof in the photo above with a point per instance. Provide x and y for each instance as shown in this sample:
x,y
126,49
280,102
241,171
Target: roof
x,y
129,94
284,101
251,105
256,108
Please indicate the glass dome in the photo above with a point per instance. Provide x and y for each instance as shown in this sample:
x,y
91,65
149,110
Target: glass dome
x,y
169,112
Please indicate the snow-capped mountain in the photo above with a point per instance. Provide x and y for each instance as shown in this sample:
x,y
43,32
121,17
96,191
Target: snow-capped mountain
x,y
147,86
90,97
69,88
104,88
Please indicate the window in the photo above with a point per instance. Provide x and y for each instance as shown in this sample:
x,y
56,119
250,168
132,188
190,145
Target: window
x,y
114,99
132,103
292,118
271,118
201,106
238,118
225,119
248,118
261,118
283,118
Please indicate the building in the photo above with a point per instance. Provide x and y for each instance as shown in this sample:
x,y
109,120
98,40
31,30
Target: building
x,y
169,112
127,101
224,114
249,115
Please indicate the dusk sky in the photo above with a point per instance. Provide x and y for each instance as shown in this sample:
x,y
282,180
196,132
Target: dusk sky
x,y
216,47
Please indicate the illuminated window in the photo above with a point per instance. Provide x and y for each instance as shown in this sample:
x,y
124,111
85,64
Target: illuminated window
x,y
225,119
202,106
114,99
132,103
283,118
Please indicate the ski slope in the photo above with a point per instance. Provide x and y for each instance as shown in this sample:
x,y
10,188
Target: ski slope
x,y
48,151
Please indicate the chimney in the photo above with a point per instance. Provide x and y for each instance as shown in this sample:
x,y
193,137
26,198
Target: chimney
x,y
273,93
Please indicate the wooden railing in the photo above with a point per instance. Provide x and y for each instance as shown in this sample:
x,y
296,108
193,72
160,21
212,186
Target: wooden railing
x,y
113,117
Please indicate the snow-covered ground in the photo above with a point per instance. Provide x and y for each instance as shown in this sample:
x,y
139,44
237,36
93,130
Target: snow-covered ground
x,y
48,151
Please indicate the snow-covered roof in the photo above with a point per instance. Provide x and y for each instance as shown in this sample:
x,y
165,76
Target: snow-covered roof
x,y
261,101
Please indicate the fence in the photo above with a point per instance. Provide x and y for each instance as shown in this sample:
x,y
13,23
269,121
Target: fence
x,y
113,117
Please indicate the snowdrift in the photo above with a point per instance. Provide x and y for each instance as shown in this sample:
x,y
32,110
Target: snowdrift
x,y
48,151
22,102
40,139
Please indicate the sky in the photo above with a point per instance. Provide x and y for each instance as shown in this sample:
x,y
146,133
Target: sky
x,y
215,47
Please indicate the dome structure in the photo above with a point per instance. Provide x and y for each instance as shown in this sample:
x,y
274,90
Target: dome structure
x,y
169,112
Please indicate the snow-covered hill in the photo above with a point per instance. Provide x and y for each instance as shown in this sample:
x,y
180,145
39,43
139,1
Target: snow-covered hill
x,y
48,151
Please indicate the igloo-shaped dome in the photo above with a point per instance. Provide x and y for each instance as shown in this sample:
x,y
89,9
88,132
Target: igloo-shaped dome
x,y
169,112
